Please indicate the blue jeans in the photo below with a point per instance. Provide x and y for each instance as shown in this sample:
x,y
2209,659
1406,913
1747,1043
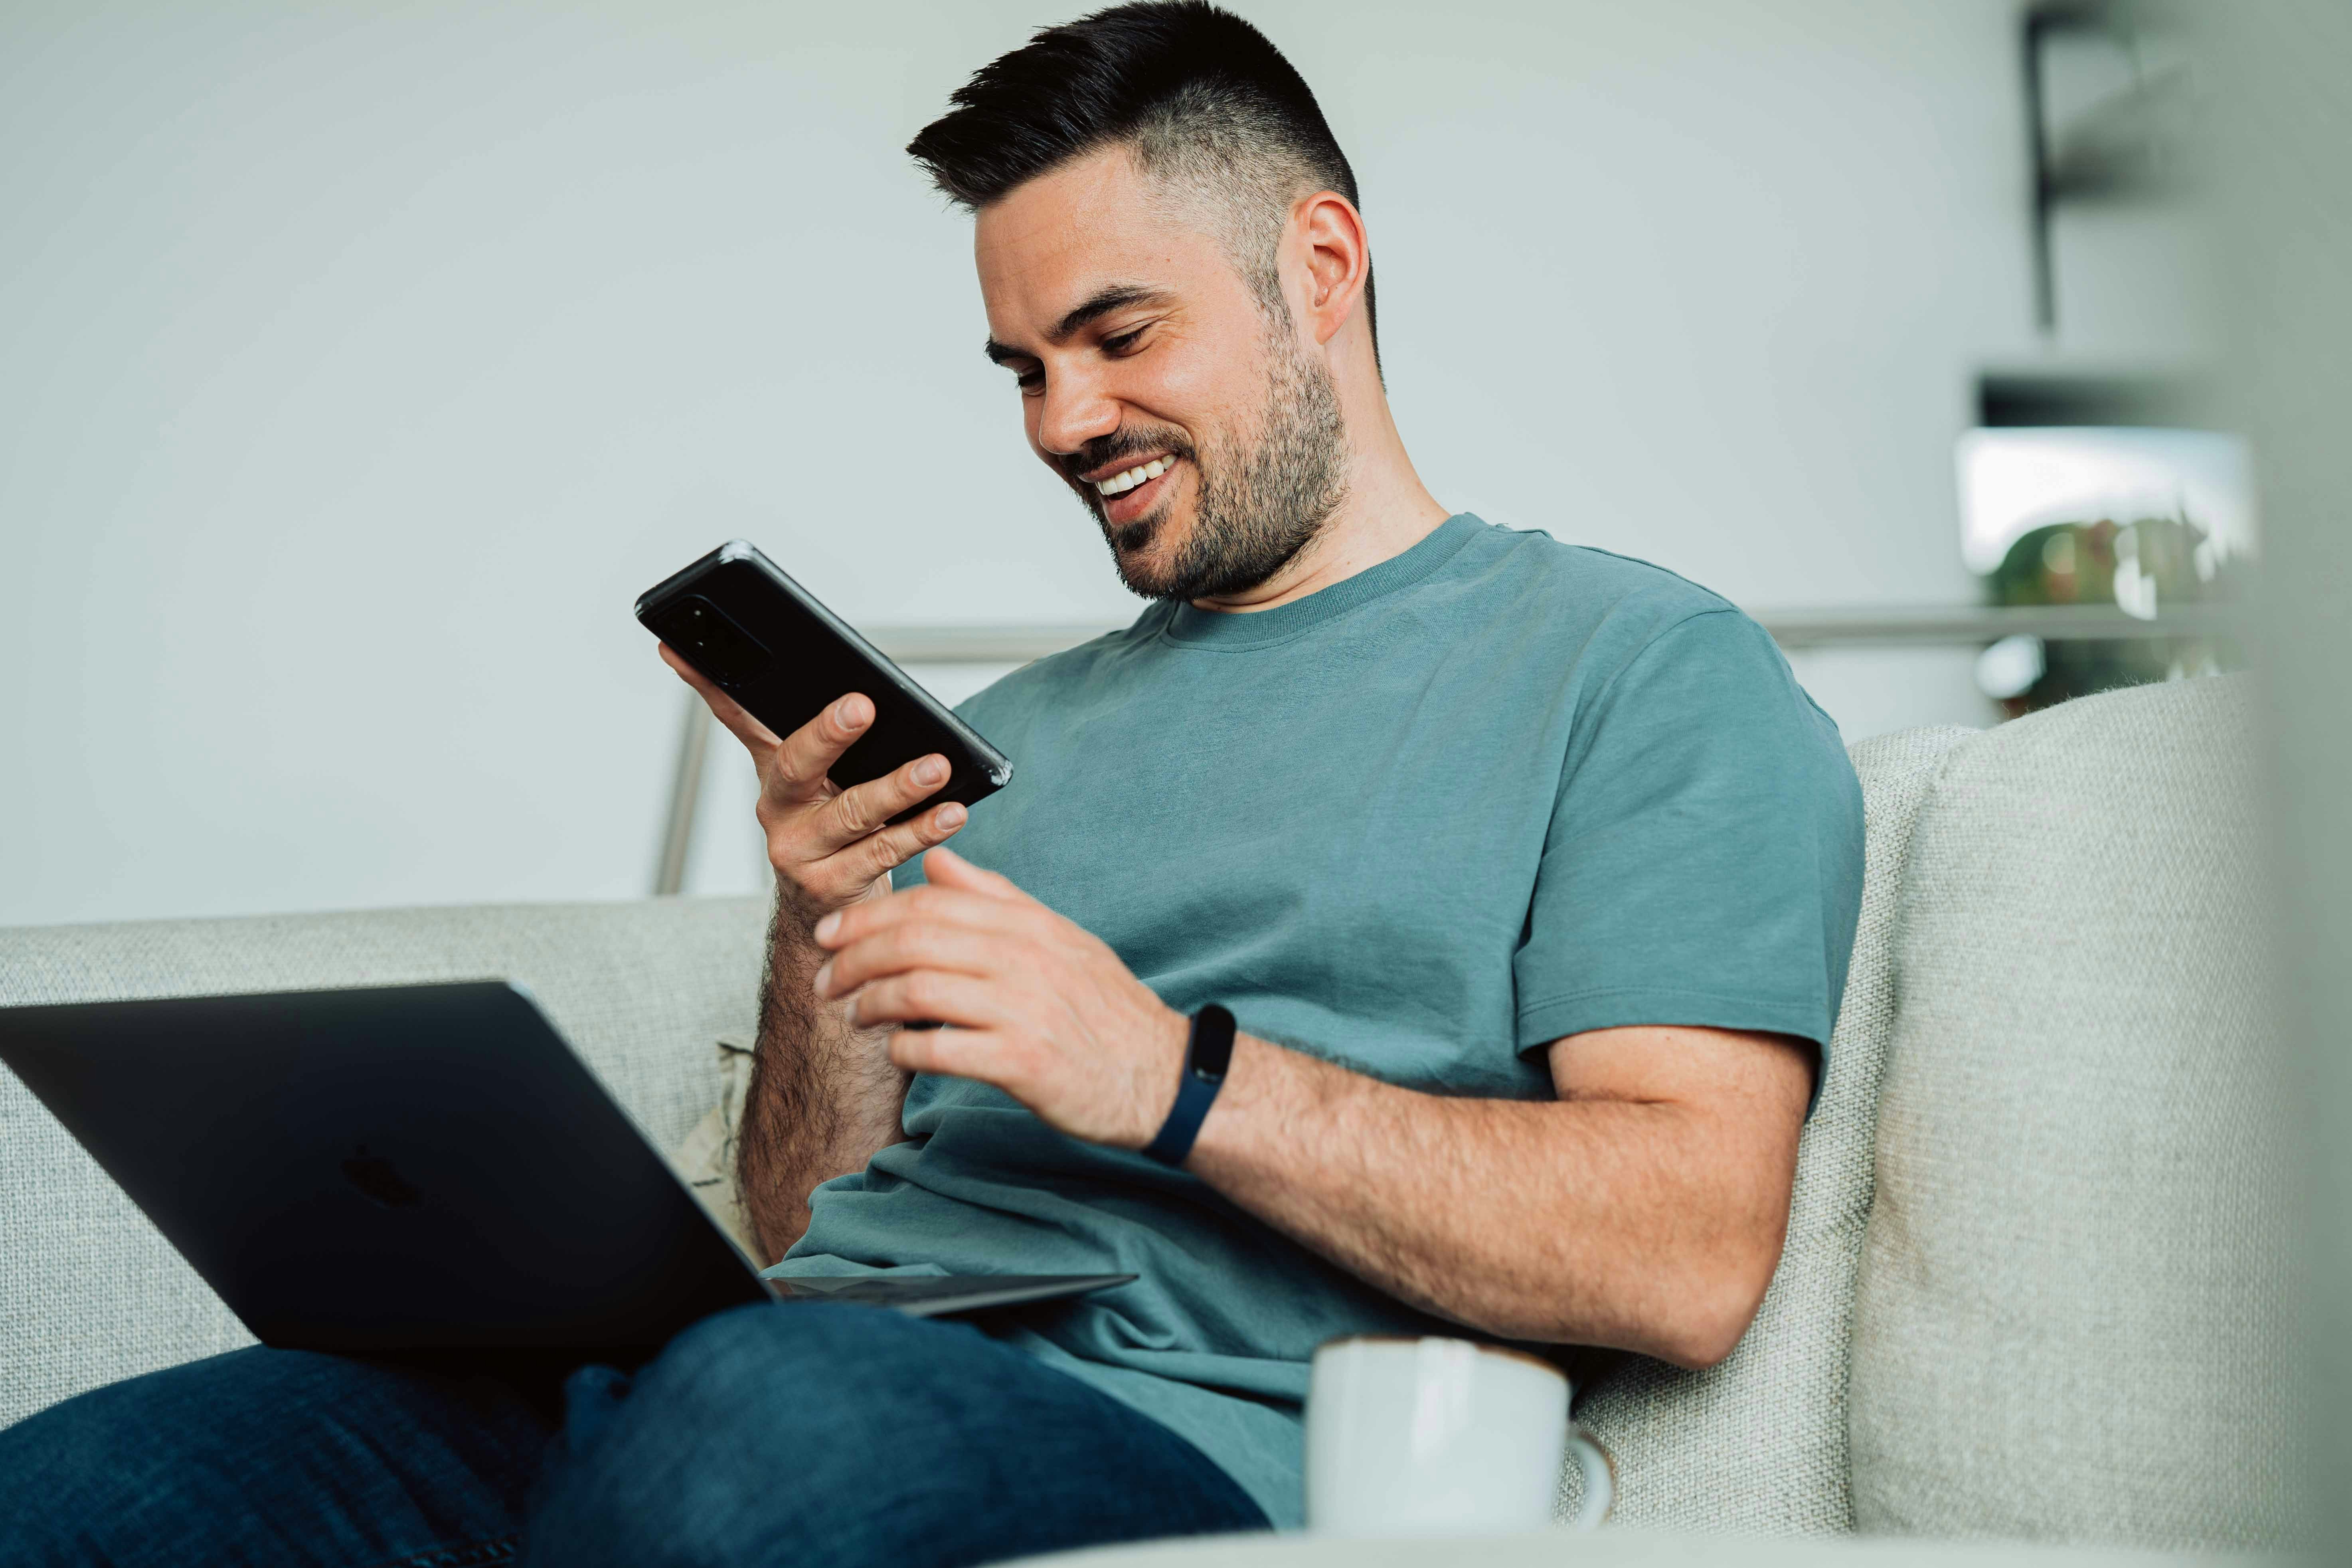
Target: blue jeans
x,y
806,1434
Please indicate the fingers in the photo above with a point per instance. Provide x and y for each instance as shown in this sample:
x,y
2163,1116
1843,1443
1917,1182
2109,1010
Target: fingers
x,y
757,738
960,1000
860,809
807,754
949,869
879,854
960,1052
909,946
946,906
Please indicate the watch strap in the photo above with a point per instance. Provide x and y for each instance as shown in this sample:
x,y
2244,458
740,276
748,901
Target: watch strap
x,y
1208,1052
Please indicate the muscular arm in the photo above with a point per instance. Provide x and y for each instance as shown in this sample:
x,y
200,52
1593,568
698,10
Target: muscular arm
x,y
823,1099
825,1095
1644,1209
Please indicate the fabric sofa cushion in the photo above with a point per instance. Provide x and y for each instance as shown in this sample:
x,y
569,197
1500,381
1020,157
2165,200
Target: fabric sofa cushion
x,y
2072,1301
705,1160
1758,1444
92,1293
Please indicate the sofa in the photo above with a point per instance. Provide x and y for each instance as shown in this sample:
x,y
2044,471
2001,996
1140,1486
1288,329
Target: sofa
x,y
2037,1284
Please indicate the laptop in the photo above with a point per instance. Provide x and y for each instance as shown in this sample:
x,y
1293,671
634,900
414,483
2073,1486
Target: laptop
x,y
412,1168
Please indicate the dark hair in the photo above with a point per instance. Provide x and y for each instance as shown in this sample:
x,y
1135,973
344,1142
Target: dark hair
x,y
1200,96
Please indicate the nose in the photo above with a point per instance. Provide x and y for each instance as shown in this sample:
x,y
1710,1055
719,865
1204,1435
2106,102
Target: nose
x,y
1074,410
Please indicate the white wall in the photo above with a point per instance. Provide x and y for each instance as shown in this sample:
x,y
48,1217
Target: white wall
x,y
358,365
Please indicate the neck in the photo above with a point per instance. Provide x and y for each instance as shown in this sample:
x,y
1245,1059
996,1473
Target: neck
x,y
1386,510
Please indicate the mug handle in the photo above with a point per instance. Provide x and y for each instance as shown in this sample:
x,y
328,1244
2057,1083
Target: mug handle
x,y
1600,1471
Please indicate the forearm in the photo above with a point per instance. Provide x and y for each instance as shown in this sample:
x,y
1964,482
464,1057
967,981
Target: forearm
x,y
1644,1208
823,1096
1602,1221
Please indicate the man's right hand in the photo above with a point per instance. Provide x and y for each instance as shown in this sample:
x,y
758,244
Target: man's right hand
x,y
829,845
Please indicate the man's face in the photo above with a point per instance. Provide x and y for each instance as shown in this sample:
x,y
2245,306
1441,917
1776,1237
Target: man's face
x,y
1202,434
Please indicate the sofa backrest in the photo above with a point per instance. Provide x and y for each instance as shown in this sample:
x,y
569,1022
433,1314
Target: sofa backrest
x,y
2072,1288
91,1292
2075,1306
1758,1444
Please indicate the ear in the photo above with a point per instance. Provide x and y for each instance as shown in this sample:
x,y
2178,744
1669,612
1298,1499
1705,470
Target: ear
x,y
1328,240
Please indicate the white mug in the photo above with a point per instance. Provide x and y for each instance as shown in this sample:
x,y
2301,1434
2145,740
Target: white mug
x,y
1409,1436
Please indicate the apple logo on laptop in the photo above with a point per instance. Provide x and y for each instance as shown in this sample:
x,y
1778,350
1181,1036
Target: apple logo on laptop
x,y
374,1174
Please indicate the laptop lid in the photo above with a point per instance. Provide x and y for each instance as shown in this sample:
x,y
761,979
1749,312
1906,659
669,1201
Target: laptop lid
x,y
399,1168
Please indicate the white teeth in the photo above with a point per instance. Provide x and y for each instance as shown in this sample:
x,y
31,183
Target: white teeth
x,y
1119,483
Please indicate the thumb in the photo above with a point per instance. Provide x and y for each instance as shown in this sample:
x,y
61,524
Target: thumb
x,y
944,867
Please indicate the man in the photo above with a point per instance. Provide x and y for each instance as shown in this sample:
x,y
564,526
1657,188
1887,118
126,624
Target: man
x,y
1527,873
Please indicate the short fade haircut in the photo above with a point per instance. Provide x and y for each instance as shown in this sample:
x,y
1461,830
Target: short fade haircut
x,y
1199,97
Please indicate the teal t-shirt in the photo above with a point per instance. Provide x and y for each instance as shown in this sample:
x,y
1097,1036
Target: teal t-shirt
x,y
1491,791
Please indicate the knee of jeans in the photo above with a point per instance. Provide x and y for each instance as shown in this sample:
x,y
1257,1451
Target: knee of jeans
x,y
72,1476
700,1453
57,1476
736,1364
802,1352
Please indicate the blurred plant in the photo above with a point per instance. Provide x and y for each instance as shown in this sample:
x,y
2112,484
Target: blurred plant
x,y
2137,566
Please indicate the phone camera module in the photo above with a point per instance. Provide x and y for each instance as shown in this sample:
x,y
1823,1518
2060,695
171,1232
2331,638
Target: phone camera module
x,y
710,641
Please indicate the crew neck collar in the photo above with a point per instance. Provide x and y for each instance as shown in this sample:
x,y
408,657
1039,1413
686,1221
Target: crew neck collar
x,y
1197,627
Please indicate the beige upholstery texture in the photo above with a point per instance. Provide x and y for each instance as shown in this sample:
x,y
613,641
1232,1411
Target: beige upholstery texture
x,y
2073,1302
91,1292
1758,1444
1620,1549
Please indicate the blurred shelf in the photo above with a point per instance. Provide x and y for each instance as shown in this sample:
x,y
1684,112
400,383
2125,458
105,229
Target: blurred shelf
x,y
982,644
1964,626
2042,396
2131,146
1950,625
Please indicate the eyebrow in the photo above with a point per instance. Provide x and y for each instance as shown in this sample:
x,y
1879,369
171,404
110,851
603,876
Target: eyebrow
x,y
1117,296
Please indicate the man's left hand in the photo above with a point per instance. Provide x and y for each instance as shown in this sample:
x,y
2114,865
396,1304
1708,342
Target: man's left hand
x,y
1040,1007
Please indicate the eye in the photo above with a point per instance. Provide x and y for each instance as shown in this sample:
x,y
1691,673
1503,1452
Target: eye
x,y
1125,344
1032,381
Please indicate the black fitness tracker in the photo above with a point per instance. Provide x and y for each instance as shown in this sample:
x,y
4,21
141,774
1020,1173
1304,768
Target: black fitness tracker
x,y
1207,1055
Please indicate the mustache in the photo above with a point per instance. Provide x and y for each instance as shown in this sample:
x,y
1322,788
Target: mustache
x,y
1104,450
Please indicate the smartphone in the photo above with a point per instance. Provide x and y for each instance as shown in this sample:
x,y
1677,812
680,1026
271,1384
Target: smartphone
x,y
766,641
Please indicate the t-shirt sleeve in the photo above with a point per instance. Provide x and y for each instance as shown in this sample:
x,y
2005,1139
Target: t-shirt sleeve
x,y
1703,862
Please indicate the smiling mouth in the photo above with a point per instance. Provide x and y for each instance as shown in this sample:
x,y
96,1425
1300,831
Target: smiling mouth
x,y
1130,478
1123,499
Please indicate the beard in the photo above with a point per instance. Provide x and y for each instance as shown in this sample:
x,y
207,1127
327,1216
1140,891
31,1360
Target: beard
x,y
1260,500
